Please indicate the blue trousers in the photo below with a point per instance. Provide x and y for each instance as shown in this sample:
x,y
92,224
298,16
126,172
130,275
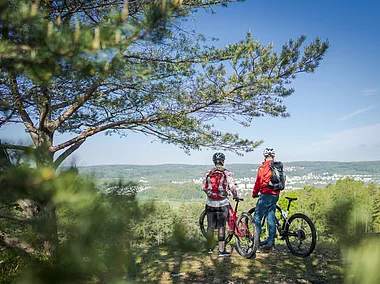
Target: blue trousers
x,y
266,205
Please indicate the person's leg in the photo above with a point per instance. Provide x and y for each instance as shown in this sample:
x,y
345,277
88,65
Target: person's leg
x,y
222,219
211,225
259,213
271,214
221,238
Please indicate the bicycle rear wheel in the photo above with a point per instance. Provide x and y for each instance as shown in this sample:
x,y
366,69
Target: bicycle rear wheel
x,y
203,225
300,235
246,237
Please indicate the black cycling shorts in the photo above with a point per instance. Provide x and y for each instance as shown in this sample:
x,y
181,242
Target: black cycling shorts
x,y
217,216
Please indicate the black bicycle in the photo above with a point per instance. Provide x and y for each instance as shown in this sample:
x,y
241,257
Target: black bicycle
x,y
298,230
241,227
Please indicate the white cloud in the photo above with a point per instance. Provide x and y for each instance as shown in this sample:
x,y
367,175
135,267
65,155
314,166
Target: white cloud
x,y
369,92
355,144
366,135
359,111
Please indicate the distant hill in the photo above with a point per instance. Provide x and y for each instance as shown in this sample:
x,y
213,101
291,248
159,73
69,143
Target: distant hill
x,y
347,168
177,172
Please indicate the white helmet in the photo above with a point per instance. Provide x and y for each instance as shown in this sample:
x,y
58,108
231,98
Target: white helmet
x,y
269,152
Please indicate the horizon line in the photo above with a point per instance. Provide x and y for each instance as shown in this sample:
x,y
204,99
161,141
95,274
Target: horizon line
x,y
164,164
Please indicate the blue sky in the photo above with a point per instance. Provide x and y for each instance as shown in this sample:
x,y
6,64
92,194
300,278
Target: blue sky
x,y
334,112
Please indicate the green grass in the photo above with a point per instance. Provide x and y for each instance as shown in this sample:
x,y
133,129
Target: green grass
x,y
168,265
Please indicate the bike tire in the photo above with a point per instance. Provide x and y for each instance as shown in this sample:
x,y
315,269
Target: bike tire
x,y
203,227
247,244
202,223
300,235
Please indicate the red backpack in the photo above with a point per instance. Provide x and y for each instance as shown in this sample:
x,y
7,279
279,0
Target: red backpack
x,y
216,184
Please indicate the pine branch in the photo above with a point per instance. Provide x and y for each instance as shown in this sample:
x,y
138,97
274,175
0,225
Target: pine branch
x,y
16,218
7,119
131,123
21,110
62,118
16,147
16,244
68,152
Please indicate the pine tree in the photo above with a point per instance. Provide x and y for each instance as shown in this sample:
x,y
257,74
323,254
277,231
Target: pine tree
x,y
85,67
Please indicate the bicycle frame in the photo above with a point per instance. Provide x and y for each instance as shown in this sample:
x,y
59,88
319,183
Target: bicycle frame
x,y
232,218
284,215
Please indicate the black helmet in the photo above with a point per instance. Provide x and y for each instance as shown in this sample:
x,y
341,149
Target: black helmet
x,y
268,152
218,157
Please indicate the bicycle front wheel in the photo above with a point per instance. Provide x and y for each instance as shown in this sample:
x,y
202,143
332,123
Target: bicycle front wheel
x,y
300,235
203,226
246,237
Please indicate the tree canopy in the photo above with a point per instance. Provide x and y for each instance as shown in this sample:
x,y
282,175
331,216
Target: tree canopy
x,y
84,67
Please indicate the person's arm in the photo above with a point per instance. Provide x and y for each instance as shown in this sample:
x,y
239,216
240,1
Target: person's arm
x,y
262,180
204,182
231,183
259,182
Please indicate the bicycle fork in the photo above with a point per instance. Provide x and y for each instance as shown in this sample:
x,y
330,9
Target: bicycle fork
x,y
231,220
234,227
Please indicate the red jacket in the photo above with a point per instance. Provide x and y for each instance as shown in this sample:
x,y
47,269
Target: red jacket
x,y
263,178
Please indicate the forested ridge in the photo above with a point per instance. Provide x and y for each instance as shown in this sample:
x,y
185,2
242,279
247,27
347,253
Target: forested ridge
x,y
183,171
182,182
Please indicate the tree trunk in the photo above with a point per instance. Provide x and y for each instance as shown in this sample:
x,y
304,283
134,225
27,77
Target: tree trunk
x,y
45,225
41,209
5,161
47,222
49,232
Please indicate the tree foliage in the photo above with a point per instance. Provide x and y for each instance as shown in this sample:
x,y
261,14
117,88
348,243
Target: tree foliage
x,y
342,212
84,67
92,230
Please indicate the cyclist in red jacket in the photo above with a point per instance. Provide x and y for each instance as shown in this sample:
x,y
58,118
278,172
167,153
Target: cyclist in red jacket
x,y
266,205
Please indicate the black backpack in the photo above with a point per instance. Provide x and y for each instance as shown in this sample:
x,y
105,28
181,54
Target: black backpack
x,y
277,180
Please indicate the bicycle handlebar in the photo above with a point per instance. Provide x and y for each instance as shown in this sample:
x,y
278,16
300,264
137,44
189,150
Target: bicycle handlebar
x,y
238,199
290,198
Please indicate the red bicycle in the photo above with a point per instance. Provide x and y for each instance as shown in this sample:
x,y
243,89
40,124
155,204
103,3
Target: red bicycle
x,y
241,227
